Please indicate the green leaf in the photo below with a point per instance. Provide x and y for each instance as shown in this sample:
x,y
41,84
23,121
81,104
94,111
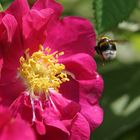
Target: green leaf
x,y
1,9
108,13
120,100
5,3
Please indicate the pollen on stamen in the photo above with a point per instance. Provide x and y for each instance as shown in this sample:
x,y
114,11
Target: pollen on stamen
x,y
41,71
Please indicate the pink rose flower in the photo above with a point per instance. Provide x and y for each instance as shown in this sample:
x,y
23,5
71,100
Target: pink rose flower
x,y
48,76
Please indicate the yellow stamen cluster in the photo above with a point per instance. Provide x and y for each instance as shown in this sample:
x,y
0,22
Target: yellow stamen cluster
x,y
42,71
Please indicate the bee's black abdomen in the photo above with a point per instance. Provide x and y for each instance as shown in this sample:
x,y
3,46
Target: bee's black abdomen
x,y
109,46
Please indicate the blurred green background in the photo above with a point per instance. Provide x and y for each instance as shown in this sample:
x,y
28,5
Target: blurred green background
x,y
121,96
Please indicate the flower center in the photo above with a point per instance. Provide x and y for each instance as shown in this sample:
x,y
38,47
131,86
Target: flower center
x,y
41,71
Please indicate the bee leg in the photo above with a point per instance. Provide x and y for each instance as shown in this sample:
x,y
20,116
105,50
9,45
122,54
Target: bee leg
x,y
102,59
97,50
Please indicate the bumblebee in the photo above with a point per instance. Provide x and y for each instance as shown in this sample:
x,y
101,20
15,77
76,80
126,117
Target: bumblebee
x,y
106,48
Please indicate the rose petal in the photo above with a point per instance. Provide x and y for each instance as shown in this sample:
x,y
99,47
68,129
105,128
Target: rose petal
x,y
70,90
53,134
9,92
10,24
52,119
91,87
81,65
11,128
5,116
93,114
80,129
64,106
34,27
72,35
18,9
43,4
41,128
12,131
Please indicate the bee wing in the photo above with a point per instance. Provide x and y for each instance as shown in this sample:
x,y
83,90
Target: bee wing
x,y
117,41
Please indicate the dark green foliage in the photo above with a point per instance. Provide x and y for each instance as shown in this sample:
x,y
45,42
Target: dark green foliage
x,y
4,4
121,87
108,13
